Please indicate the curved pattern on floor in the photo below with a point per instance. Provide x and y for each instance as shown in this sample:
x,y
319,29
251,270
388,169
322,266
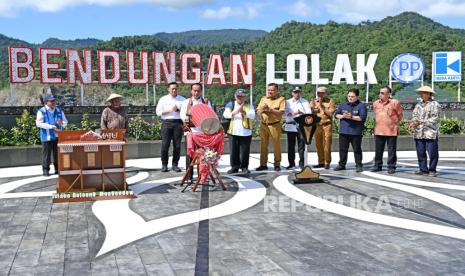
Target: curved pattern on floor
x,y
283,185
416,182
10,186
124,226
451,202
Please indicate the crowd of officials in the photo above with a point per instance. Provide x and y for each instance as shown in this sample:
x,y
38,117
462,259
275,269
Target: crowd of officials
x,y
276,114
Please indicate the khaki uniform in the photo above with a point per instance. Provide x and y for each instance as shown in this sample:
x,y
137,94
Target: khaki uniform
x,y
324,131
271,127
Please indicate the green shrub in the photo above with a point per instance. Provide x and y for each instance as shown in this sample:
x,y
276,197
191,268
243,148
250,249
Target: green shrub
x,y
138,128
72,127
154,132
5,137
452,125
369,127
25,132
335,126
403,128
88,124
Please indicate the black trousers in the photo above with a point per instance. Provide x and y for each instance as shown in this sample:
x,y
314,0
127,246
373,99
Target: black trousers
x,y
344,142
380,142
171,130
291,139
239,148
188,162
431,146
47,149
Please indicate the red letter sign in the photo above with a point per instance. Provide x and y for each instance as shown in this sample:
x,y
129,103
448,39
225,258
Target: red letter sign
x,y
103,55
21,59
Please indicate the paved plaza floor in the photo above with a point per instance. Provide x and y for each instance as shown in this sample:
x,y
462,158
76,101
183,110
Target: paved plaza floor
x,y
353,224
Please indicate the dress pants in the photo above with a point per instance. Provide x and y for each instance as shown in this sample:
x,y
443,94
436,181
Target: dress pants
x,y
47,149
380,142
171,130
323,141
273,132
344,142
431,146
291,139
239,151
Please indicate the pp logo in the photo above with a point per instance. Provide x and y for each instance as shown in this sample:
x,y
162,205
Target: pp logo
x,y
407,68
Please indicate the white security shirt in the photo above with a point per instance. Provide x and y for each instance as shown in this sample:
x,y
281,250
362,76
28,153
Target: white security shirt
x,y
293,105
166,103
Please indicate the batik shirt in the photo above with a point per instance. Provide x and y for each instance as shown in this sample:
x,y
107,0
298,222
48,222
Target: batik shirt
x,y
428,115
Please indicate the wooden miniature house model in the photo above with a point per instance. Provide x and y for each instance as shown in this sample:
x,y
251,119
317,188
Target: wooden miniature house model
x,y
91,162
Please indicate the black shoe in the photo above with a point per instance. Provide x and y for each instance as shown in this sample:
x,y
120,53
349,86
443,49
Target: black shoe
x,y
46,173
327,167
359,169
232,171
290,167
176,168
421,173
262,168
339,168
391,171
164,168
245,170
433,174
319,166
277,168
376,169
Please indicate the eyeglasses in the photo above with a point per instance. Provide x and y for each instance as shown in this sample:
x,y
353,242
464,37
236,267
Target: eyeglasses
x,y
382,93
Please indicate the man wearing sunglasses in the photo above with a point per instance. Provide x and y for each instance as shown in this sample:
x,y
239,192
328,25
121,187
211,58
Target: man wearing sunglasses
x,y
388,114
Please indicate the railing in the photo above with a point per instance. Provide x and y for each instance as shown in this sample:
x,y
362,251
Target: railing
x,y
132,109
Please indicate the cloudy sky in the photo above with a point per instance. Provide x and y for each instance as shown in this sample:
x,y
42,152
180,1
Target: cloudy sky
x,y
37,20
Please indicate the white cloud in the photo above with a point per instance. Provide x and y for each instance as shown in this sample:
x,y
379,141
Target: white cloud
x,y
249,11
9,8
300,8
445,8
358,10
253,10
222,13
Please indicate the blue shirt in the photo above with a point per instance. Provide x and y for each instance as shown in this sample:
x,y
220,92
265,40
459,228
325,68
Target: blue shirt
x,y
349,126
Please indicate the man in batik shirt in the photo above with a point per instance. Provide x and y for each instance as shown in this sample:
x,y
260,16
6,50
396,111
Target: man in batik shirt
x,y
425,128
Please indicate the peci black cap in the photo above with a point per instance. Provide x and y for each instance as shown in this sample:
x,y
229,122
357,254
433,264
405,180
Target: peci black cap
x,y
297,89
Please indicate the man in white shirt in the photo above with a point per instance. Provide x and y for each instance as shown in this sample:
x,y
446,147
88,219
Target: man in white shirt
x,y
242,115
50,118
295,107
187,104
168,108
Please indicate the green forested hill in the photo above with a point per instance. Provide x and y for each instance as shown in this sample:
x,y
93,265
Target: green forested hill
x,y
210,37
406,32
6,41
76,43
